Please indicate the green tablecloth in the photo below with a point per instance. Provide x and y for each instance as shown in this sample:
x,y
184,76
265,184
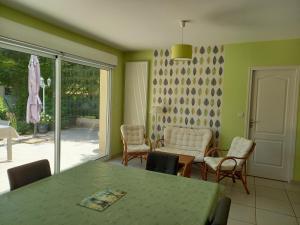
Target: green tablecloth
x,y
151,199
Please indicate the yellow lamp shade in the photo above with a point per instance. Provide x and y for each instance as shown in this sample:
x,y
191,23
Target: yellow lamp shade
x,y
181,52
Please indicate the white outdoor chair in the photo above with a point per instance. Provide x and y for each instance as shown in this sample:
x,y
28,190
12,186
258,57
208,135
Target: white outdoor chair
x,y
233,165
135,143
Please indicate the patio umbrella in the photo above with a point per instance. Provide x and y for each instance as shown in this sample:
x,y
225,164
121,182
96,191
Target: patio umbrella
x,y
34,103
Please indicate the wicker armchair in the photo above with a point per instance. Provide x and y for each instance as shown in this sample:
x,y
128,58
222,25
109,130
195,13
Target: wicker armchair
x,y
233,165
135,143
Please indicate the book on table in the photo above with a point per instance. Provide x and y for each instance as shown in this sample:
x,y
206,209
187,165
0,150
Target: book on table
x,y
102,199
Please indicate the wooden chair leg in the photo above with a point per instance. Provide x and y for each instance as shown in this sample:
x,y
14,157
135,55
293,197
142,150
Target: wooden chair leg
x,y
233,177
204,171
123,158
217,176
126,160
244,179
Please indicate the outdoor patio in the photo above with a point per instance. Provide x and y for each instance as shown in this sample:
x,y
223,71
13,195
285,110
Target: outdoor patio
x,y
78,145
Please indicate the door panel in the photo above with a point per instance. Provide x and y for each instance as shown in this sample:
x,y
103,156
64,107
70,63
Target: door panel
x,y
271,93
270,125
271,148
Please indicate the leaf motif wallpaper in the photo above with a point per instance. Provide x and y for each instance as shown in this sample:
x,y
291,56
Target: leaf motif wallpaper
x,y
188,92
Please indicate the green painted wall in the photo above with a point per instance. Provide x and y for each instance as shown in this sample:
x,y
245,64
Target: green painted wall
x,y
117,76
145,55
238,59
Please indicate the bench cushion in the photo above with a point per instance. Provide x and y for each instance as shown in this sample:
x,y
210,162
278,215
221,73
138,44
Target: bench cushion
x,y
198,155
187,139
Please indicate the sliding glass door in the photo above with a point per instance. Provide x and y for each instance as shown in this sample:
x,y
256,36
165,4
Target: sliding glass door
x,y
72,120
26,118
80,91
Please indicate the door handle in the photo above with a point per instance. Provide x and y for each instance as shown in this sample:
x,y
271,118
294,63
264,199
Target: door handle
x,y
252,122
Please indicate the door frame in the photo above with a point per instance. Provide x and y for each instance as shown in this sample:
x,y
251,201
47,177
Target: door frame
x,y
294,100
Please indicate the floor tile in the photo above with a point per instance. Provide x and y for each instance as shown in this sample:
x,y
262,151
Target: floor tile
x,y
238,186
242,213
296,208
283,207
264,217
242,198
272,193
226,189
298,220
295,187
237,222
250,180
294,197
269,183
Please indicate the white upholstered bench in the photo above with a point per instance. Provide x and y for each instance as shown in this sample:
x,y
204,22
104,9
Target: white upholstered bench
x,y
185,141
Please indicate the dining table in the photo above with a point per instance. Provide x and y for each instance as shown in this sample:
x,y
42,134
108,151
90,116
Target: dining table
x,y
8,132
151,198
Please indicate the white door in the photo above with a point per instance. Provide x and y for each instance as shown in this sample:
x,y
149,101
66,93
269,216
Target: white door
x,y
136,87
271,122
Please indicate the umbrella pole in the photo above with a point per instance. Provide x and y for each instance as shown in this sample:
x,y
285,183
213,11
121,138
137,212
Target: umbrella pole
x,y
34,130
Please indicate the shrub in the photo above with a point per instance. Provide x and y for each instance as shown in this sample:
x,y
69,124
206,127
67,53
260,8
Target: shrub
x,y
24,128
3,109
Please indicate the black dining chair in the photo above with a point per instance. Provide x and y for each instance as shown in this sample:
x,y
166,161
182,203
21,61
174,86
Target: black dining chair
x,y
162,162
220,215
28,173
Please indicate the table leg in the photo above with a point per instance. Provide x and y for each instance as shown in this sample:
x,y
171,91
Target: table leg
x,y
187,169
9,149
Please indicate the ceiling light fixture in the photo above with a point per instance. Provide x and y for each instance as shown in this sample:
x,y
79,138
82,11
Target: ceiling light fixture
x,y
182,51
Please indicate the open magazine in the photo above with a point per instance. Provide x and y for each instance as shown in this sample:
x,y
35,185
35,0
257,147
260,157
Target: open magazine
x,y
102,199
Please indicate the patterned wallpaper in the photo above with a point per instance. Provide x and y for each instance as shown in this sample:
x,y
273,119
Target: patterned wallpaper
x,y
190,93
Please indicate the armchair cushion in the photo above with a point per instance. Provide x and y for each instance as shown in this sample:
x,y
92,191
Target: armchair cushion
x,y
213,163
138,148
240,147
133,134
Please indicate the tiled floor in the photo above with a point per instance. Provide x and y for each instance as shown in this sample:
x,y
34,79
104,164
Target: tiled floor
x,y
269,202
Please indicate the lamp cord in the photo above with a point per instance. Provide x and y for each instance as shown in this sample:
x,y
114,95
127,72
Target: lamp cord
x,y
182,35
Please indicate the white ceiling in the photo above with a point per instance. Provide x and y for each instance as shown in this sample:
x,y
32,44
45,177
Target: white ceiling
x,y
141,24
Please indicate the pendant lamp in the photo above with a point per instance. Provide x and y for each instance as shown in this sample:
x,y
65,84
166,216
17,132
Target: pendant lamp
x,y
182,51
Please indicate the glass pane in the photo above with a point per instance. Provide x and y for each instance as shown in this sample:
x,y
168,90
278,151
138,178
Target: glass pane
x,y
80,87
35,142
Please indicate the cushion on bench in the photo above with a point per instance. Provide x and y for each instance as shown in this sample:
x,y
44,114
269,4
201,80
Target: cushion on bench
x,y
186,141
199,156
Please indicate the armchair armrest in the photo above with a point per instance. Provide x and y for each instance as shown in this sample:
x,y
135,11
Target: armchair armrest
x,y
225,159
215,152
